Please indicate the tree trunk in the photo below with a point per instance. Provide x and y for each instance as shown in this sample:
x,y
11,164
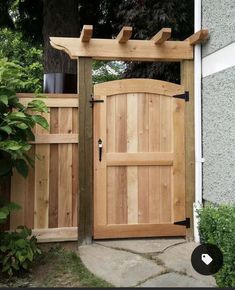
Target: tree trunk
x,y
60,19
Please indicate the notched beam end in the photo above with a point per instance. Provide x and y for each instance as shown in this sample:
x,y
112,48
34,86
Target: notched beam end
x,y
125,34
198,37
86,33
163,35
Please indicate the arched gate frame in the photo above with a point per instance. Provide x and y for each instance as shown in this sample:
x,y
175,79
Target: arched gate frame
x,y
158,48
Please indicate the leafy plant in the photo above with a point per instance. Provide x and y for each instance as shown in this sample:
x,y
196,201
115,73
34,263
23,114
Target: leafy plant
x,y
6,208
217,226
16,49
16,123
17,250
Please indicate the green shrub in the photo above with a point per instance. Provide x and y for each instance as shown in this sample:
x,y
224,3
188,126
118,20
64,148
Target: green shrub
x,y
16,49
16,123
6,208
217,226
17,250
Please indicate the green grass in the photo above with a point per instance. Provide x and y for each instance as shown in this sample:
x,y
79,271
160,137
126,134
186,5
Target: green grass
x,y
56,267
68,264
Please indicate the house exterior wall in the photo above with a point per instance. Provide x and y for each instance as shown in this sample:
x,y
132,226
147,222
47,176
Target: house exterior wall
x,y
218,101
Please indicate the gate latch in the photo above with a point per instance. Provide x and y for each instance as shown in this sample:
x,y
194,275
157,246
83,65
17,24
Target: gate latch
x,y
93,101
185,222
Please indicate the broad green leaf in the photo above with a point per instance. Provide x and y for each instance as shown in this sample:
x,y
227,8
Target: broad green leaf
x,y
10,145
22,126
22,167
16,115
41,121
3,215
4,99
6,129
38,105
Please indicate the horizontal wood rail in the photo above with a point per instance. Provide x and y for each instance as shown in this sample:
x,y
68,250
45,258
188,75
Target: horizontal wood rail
x,y
149,230
55,139
120,159
54,103
56,234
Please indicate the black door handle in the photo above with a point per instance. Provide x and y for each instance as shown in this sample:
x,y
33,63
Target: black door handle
x,y
100,146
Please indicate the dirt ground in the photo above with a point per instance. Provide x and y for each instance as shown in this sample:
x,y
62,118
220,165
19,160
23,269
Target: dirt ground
x,y
58,266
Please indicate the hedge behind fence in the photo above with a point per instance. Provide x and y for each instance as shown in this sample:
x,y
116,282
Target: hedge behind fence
x,y
217,226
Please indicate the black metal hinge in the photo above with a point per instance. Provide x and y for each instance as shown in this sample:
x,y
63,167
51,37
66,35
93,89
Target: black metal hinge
x,y
186,223
184,96
93,101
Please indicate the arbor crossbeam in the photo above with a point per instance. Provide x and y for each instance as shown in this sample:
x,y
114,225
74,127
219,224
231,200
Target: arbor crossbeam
x,y
125,48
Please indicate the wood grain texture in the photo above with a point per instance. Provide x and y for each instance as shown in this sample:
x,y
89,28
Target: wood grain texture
x,y
86,33
163,35
75,169
41,202
100,169
140,161
140,230
85,148
198,37
29,193
154,146
143,146
187,79
179,160
138,86
133,50
125,34
54,163
39,198
65,171
132,147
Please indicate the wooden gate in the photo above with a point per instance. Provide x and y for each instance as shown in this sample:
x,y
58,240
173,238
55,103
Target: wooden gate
x,y
139,172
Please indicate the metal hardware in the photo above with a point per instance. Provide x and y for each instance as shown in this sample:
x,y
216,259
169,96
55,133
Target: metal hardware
x,y
100,146
93,101
184,96
186,223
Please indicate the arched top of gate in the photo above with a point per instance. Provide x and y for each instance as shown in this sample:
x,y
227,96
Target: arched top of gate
x,y
126,86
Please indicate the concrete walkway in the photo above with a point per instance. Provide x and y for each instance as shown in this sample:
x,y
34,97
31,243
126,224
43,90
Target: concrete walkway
x,y
144,263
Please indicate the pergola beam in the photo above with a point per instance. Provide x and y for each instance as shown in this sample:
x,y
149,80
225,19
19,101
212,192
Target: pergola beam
x,y
133,50
86,33
125,34
198,37
163,35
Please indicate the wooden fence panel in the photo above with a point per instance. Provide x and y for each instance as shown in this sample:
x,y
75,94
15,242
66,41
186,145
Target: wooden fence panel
x,y
48,196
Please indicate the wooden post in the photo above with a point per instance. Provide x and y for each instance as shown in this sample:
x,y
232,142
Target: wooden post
x,y
85,192
187,80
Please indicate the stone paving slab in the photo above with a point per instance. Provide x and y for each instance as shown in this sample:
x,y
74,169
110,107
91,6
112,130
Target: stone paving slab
x,y
142,246
174,280
121,268
178,258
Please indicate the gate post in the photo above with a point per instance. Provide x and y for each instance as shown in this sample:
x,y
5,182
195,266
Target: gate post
x,y
85,152
187,80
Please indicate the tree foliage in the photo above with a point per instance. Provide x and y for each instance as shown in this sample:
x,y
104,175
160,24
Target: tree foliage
x,y
26,54
145,16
